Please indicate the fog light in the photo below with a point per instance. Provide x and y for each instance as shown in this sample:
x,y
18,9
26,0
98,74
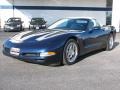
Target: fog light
x,y
44,54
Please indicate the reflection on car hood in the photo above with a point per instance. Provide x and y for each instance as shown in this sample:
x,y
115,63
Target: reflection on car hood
x,y
32,36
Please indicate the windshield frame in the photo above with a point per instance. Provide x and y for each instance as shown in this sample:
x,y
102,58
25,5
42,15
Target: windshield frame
x,y
14,20
70,19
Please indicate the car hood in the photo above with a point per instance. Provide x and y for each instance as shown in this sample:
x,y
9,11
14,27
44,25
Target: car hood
x,y
33,36
13,23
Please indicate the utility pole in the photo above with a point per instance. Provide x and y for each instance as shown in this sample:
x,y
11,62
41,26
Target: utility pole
x,y
13,7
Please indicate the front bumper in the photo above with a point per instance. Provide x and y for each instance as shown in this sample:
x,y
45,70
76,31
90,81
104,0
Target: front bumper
x,y
12,29
37,27
55,59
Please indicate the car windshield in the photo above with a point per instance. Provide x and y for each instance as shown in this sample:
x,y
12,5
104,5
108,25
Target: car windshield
x,y
14,20
70,24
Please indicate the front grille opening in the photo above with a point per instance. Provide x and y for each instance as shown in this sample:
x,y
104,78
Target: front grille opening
x,y
31,54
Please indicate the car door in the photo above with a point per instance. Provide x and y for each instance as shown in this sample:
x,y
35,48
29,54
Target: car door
x,y
93,37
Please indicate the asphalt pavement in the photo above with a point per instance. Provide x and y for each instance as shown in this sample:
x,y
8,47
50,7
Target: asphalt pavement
x,y
95,71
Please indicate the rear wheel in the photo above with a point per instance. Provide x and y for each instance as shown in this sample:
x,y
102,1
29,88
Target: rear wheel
x,y
110,42
70,53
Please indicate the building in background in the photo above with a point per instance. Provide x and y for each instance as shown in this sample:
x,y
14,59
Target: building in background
x,y
52,10
109,13
116,15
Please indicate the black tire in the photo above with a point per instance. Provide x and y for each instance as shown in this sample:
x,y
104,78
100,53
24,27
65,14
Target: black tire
x,y
21,29
5,31
29,28
66,60
110,43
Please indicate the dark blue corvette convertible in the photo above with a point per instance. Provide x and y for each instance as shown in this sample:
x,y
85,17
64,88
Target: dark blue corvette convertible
x,y
62,42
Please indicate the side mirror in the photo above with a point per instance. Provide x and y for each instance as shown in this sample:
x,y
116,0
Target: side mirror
x,y
94,28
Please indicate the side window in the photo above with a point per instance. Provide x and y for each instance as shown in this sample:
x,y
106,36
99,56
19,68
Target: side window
x,y
79,24
90,25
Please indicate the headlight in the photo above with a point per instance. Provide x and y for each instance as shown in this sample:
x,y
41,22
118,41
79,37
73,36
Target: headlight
x,y
18,25
45,54
6,26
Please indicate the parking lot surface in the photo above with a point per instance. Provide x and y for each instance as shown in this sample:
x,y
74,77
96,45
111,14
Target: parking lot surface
x,y
95,71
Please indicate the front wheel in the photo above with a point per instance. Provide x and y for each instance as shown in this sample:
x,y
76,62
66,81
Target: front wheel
x,y
110,43
70,53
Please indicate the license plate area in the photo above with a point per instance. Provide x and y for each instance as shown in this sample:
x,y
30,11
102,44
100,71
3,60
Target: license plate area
x,y
37,27
15,51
